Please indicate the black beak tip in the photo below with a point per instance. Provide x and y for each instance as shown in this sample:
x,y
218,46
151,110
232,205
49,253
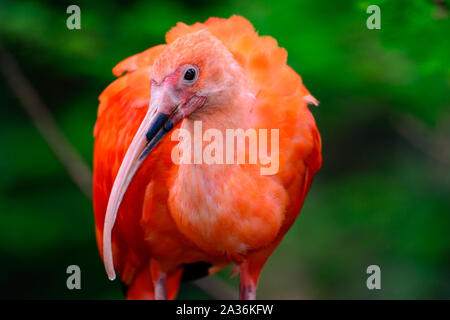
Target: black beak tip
x,y
160,120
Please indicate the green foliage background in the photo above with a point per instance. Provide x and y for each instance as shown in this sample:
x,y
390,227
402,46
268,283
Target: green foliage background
x,y
382,197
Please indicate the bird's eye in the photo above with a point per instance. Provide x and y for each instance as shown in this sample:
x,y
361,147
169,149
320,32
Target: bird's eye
x,y
190,75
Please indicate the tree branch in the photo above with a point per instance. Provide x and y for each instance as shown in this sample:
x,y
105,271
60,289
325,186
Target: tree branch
x,y
78,170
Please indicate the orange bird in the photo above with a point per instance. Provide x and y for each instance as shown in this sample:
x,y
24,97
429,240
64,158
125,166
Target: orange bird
x,y
156,217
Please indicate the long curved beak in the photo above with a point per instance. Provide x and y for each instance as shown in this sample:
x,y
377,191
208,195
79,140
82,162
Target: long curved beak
x,y
156,124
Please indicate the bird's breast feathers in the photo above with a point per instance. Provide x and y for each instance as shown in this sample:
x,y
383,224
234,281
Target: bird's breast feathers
x,y
227,209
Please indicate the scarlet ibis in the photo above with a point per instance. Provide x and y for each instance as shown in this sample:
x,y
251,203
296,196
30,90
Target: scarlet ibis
x,y
154,216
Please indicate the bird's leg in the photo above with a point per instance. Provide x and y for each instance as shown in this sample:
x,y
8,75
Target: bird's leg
x,y
160,287
159,281
247,292
248,280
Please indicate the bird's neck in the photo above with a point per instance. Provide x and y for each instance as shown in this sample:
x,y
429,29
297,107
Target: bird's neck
x,y
233,112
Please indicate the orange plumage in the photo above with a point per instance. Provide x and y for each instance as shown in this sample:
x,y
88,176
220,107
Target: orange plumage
x,y
176,214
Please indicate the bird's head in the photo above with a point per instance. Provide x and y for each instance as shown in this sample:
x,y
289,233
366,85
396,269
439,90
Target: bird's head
x,y
194,71
193,75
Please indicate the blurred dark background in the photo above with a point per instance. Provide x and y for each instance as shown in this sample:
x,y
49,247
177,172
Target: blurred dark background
x,y
382,197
